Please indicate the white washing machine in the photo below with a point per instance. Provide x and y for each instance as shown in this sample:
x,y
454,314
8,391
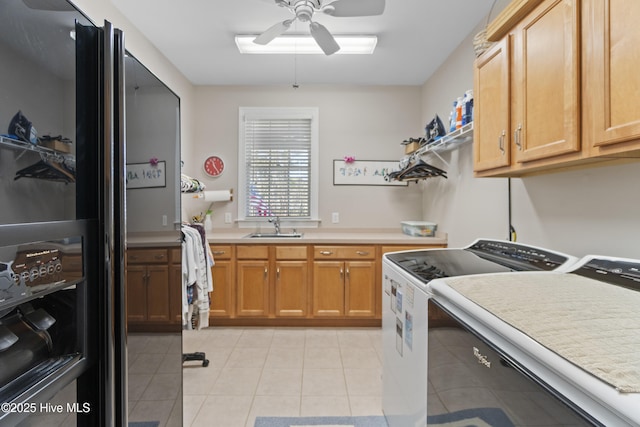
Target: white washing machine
x,y
405,311
538,348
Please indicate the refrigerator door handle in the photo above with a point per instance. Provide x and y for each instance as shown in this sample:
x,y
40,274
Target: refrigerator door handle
x,y
113,148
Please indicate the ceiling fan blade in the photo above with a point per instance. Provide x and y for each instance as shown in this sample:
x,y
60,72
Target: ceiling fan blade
x,y
323,37
349,8
54,5
273,32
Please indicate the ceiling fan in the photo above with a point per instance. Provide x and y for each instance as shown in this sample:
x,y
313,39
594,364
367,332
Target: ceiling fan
x,y
304,10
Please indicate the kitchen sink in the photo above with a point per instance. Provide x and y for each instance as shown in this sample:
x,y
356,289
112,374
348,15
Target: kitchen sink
x,y
294,235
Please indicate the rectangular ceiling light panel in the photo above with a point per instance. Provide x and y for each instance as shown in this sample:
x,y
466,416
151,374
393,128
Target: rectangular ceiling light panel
x,y
306,45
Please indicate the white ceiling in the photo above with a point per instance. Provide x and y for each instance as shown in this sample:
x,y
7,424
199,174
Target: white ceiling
x,y
197,36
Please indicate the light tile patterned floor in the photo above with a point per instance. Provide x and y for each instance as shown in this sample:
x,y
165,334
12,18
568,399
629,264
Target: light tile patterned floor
x,y
155,377
281,372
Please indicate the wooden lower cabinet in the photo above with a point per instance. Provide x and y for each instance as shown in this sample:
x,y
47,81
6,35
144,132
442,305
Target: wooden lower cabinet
x,y
360,289
299,285
152,291
344,288
223,272
252,288
291,284
328,288
175,287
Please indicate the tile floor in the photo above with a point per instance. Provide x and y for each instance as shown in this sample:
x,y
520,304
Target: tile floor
x,y
252,372
281,372
155,378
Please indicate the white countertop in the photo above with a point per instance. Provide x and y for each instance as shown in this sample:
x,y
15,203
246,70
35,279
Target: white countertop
x,y
153,239
378,236
329,236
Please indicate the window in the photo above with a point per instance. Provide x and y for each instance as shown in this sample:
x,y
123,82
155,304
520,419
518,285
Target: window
x,y
278,158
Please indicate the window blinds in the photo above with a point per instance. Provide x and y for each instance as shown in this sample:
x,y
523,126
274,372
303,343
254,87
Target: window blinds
x,y
278,175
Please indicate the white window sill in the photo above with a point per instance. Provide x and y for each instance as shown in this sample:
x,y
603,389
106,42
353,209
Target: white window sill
x,y
285,223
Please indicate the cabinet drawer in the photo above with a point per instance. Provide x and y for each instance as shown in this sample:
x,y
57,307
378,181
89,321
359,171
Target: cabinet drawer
x,y
146,256
344,252
221,252
291,252
252,252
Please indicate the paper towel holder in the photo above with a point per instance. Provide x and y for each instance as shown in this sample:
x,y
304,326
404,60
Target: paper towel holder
x,y
215,196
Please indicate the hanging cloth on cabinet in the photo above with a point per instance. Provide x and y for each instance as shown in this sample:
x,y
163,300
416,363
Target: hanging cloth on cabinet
x,y
196,276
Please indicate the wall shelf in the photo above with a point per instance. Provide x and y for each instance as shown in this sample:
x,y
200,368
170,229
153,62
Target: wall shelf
x,y
25,146
451,141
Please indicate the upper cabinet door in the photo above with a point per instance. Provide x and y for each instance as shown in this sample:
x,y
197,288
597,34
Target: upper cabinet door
x,y
491,108
546,82
611,82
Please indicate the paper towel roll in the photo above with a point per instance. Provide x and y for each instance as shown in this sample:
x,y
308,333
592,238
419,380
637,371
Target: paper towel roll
x,y
217,196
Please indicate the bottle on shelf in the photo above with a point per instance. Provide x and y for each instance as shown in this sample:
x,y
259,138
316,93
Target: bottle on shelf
x,y
452,117
467,107
459,113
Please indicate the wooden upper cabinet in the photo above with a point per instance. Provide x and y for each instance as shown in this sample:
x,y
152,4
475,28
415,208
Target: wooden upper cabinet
x,y
611,81
491,108
545,119
527,93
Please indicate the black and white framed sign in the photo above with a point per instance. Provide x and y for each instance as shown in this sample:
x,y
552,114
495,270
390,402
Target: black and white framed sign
x,y
146,175
364,172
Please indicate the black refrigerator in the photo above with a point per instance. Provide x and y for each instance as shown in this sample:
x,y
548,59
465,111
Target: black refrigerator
x,y
62,221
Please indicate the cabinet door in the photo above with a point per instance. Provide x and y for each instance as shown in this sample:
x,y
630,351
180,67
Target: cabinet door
x,y
158,306
546,82
221,304
291,288
328,288
253,288
491,108
611,83
175,293
136,293
360,295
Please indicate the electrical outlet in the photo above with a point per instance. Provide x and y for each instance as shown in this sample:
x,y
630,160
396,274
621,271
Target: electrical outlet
x,y
164,220
335,217
227,217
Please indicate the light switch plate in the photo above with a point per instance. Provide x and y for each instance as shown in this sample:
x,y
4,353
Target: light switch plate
x,y
227,217
335,217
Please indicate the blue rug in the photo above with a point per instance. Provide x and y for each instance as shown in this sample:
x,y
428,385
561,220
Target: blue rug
x,y
144,423
493,417
320,421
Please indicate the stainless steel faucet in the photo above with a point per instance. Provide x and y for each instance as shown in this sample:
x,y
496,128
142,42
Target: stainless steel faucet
x,y
276,223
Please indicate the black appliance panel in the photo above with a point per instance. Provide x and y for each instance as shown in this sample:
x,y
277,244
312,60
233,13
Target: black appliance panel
x,y
32,270
479,381
482,257
618,272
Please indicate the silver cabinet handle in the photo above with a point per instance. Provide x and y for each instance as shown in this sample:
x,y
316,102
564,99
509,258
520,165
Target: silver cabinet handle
x,y
266,273
278,273
219,252
347,273
326,253
516,137
501,142
362,253
158,256
341,273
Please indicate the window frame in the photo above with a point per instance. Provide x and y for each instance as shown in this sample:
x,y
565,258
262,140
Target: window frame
x,y
278,113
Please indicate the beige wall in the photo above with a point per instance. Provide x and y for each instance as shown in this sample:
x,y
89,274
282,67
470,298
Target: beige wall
x,y
591,211
147,54
366,122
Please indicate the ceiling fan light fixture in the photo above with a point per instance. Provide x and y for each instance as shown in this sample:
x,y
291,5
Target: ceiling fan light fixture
x,y
302,44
